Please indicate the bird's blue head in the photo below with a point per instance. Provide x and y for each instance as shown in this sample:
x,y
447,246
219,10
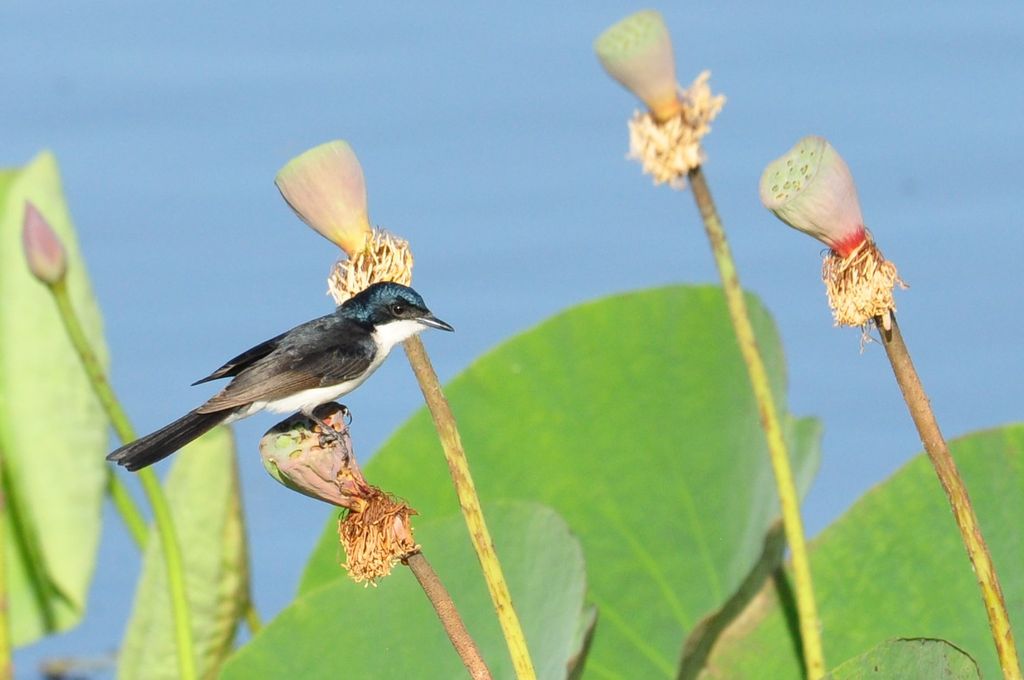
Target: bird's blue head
x,y
395,312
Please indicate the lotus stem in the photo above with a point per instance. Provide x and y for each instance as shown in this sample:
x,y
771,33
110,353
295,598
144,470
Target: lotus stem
x,y
252,618
150,485
123,501
458,466
127,509
164,522
6,666
449,615
789,500
46,592
949,476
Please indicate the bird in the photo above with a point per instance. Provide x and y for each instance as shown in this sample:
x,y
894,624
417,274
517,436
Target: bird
x,y
312,364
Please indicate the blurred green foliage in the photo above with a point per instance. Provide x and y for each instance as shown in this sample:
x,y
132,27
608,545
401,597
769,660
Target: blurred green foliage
x,y
202,490
53,434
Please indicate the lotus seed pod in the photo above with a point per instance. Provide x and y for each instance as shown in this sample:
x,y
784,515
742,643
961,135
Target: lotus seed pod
x,y
326,189
296,456
637,52
43,249
810,188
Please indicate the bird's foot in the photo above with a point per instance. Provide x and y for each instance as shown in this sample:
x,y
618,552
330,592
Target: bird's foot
x,y
328,435
328,438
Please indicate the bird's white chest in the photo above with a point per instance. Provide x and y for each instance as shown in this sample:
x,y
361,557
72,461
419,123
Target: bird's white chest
x,y
385,336
307,400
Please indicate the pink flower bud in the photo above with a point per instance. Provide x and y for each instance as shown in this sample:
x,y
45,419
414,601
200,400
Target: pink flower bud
x,y
43,250
637,52
810,188
325,188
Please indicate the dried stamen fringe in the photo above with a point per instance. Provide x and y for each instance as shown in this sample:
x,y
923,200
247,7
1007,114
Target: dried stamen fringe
x,y
385,258
860,286
671,149
377,538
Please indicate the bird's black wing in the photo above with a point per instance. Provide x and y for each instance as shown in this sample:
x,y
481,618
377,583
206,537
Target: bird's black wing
x,y
243,360
321,353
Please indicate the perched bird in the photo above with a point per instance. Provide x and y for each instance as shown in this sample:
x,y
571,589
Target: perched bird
x,y
312,364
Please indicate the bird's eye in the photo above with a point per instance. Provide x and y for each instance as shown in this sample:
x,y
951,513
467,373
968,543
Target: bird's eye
x,y
397,309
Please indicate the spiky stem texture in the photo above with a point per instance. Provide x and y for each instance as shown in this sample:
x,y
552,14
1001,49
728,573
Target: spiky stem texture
x,y
458,466
949,476
449,615
789,500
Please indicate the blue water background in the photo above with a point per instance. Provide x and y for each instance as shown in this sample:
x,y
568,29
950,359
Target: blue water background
x,y
492,140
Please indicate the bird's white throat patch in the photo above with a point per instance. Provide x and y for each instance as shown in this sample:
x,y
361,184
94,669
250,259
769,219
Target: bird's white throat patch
x,y
393,332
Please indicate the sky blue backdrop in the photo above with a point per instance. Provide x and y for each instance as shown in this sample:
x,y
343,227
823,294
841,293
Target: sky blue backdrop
x,y
491,138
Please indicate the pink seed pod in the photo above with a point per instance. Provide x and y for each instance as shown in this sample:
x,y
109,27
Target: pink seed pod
x,y
810,188
326,189
294,454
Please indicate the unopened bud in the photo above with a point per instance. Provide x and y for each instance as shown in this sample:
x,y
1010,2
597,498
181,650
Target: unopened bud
x,y
637,52
43,249
326,189
810,188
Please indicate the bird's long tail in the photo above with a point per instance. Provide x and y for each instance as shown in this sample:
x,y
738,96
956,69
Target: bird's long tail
x,y
168,439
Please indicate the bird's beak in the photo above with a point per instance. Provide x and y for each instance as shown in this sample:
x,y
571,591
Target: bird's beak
x,y
433,322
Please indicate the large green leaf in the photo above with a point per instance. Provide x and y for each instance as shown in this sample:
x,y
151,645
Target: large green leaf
x,y
202,489
345,630
53,433
893,566
909,659
633,417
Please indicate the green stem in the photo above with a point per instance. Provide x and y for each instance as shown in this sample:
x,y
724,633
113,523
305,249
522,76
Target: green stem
x,y
175,572
150,485
6,667
448,613
130,513
43,589
123,502
956,491
252,618
789,501
458,466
